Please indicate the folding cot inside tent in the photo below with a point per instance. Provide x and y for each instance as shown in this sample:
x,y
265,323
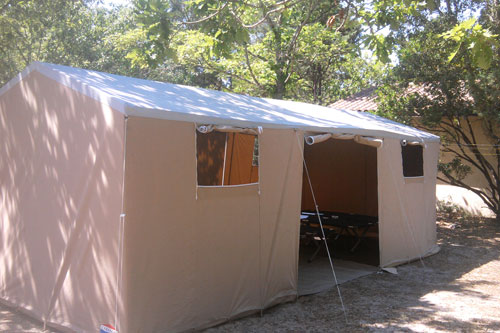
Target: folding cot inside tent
x,y
140,244
343,176
344,172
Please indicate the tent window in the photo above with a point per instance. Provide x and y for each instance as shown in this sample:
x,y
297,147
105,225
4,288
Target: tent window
x,y
413,160
225,158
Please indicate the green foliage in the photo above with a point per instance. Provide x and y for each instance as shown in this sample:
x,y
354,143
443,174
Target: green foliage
x,y
394,15
455,169
383,19
453,212
264,48
153,34
30,30
479,41
329,67
451,94
392,103
75,33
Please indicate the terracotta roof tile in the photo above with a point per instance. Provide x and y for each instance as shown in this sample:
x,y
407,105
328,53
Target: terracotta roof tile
x,y
366,100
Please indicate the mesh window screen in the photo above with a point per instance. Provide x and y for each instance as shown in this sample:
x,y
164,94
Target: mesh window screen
x,y
413,160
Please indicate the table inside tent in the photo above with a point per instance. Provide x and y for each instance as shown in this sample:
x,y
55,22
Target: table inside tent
x,y
334,224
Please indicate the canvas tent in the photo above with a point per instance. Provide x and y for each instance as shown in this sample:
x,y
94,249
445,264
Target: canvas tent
x,y
103,218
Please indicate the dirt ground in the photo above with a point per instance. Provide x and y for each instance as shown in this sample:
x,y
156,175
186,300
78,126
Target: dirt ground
x,y
457,290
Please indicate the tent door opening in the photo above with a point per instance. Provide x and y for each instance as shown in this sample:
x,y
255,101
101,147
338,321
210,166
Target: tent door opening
x,y
343,176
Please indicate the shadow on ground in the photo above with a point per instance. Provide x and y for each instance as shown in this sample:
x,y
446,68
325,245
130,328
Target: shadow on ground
x,y
456,290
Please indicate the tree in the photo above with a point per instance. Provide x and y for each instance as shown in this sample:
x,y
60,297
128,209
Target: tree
x,y
460,92
329,67
388,22
264,48
74,33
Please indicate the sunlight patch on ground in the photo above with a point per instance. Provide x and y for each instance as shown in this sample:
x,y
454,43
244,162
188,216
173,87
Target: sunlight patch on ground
x,y
463,198
449,303
472,302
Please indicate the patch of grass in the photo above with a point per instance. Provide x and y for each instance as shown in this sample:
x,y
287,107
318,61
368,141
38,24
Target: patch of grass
x,y
449,211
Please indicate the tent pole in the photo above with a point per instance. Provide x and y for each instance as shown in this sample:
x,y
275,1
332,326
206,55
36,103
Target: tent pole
x,y
323,232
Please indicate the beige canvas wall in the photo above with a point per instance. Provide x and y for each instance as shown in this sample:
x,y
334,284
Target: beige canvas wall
x,y
196,257
343,175
281,185
407,206
61,159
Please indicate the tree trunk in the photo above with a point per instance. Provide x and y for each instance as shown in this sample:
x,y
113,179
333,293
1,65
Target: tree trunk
x,y
280,87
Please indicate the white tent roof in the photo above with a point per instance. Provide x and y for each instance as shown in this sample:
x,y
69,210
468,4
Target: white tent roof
x,y
144,98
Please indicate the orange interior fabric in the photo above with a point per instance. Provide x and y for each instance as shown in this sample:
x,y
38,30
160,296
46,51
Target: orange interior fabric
x,y
343,175
239,168
210,155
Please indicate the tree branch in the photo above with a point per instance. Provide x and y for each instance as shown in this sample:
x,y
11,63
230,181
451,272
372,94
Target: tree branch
x,y
207,17
250,67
